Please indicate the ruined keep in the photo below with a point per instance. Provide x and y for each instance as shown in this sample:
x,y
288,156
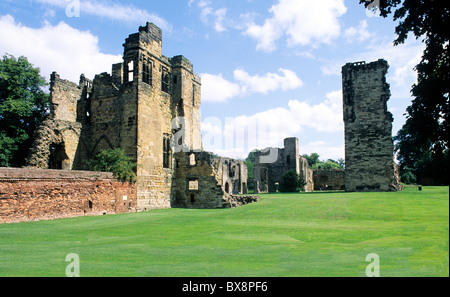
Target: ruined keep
x,y
271,163
369,149
149,106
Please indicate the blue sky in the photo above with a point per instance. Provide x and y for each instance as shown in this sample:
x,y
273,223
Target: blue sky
x,y
270,69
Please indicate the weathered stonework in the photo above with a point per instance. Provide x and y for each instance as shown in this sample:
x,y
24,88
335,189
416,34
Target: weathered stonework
x,y
330,179
203,180
271,163
149,106
369,160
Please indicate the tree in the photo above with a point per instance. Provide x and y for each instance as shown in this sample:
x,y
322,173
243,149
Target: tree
x,y
291,182
23,106
424,137
312,159
115,161
249,161
315,163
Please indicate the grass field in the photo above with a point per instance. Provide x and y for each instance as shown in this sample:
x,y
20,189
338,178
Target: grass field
x,y
307,234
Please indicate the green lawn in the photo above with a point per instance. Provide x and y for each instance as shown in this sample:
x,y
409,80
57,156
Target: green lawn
x,y
308,234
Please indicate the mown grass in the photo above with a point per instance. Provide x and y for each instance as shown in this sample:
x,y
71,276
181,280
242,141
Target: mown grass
x,y
307,234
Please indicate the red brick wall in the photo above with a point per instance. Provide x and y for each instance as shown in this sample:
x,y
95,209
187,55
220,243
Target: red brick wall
x,y
36,194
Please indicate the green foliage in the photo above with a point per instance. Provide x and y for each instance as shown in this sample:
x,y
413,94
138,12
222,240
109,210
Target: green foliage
x,y
115,161
250,165
315,163
312,159
23,106
408,177
328,164
291,182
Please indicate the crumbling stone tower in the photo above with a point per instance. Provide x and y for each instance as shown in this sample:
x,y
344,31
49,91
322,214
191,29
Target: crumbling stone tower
x,y
369,149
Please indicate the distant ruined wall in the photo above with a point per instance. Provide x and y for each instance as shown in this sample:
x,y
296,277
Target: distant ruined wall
x,y
203,180
330,179
37,194
369,159
272,163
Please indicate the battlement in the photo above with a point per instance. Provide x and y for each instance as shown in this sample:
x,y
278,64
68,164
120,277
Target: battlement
x,y
152,31
181,61
363,66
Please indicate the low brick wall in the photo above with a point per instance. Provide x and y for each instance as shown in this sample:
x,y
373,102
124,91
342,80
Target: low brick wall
x,y
39,194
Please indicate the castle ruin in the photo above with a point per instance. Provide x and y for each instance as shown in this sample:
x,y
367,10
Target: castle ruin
x,y
149,106
271,163
369,148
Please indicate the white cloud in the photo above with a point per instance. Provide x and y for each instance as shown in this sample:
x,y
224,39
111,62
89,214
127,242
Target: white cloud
x,y
267,83
323,117
304,22
126,13
402,59
359,33
326,150
220,15
206,12
238,135
215,88
59,48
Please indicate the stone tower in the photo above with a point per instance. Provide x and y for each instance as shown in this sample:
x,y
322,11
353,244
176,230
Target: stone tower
x,y
369,149
149,106
167,95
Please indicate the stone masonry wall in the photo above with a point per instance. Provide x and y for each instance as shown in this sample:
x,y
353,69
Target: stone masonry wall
x,y
203,180
272,163
331,179
195,183
369,160
37,194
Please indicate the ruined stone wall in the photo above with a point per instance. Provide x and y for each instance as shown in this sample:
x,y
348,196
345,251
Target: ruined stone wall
x,y
327,180
35,194
369,161
56,139
232,175
64,97
195,183
268,169
307,173
203,180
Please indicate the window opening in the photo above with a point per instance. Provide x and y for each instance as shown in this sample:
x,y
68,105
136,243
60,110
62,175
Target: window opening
x,y
167,153
147,72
